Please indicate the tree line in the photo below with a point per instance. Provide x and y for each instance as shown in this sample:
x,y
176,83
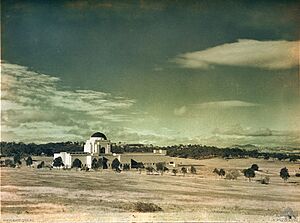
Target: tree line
x,y
182,151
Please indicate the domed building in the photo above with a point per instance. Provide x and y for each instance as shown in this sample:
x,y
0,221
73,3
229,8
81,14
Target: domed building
x,y
97,144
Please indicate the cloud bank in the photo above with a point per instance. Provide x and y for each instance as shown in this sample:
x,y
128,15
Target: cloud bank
x,y
271,55
35,108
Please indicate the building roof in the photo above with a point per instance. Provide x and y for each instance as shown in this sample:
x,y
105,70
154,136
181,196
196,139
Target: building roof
x,y
98,135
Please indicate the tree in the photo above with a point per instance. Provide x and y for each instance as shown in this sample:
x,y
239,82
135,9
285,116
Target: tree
x,y
17,158
284,174
126,166
249,173
150,169
183,171
193,170
41,165
221,172
58,162
95,164
160,167
77,163
9,163
115,165
29,161
216,171
174,171
254,167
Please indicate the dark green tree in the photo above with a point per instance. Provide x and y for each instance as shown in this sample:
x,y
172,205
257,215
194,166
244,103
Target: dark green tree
x,y
193,170
221,172
284,174
41,165
174,171
29,161
150,169
254,167
183,171
77,163
115,165
160,167
95,164
249,173
58,162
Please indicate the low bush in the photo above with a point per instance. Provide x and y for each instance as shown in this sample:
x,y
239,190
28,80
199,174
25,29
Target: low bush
x,y
146,207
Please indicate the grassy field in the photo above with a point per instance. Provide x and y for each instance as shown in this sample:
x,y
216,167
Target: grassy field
x,y
43,195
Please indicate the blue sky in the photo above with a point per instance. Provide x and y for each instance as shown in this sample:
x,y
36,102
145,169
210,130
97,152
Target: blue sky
x,y
162,72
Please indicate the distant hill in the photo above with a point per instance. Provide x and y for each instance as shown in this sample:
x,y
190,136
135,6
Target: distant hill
x,y
246,147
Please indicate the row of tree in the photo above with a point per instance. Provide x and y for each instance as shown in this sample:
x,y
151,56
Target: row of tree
x,y
183,151
250,173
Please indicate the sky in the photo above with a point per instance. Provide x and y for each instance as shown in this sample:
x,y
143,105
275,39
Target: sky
x,y
158,72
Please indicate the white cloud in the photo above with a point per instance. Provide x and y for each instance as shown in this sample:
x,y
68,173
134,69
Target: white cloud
x,y
34,107
180,111
279,54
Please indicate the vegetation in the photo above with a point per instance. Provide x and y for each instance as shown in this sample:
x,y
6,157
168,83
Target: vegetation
x,y
183,171
58,162
126,166
150,169
161,167
41,165
232,175
265,180
147,207
220,172
249,173
115,165
174,171
193,170
184,151
254,167
29,161
77,163
284,174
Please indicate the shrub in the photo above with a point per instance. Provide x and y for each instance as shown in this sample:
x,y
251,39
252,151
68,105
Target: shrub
x,y
146,207
41,165
193,170
161,167
77,163
149,169
9,163
284,174
95,164
126,166
57,162
174,171
216,171
265,180
254,167
232,175
221,172
29,161
115,165
249,173
183,171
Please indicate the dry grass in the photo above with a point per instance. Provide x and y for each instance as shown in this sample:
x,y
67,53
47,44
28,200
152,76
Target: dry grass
x,y
74,196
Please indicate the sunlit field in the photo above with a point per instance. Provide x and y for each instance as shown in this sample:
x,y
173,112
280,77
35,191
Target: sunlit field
x,y
44,195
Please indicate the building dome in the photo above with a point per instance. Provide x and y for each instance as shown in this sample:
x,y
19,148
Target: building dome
x,y
98,135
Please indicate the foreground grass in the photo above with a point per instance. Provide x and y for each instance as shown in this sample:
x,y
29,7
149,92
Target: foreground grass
x,y
76,196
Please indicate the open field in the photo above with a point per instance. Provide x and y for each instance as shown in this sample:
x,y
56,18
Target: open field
x,y
42,195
